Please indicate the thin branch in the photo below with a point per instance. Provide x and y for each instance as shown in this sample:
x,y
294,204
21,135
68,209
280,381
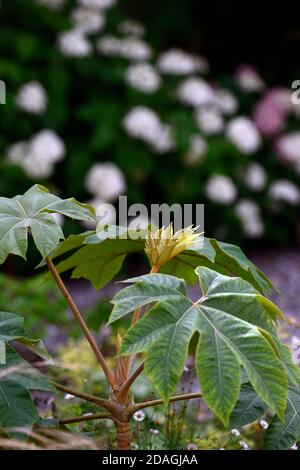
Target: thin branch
x,y
146,404
127,384
80,320
84,396
79,419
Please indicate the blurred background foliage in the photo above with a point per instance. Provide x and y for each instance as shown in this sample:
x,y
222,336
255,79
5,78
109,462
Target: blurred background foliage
x,y
96,107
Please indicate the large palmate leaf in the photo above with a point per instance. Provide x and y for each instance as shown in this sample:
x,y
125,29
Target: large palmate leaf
x,y
227,340
17,377
282,435
222,257
249,407
32,212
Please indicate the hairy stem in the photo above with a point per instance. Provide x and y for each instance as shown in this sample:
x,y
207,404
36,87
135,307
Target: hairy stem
x,y
79,419
80,320
146,404
84,396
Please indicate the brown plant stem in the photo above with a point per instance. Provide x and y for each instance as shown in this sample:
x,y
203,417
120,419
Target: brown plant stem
x,y
109,375
123,392
79,419
146,404
84,396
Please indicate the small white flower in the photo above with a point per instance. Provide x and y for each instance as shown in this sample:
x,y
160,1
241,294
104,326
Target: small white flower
x,y
244,445
105,180
221,189
143,77
154,431
242,132
32,98
130,48
73,43
264,424
284,191
250,217
131,27
255,177
86,20
69,397
226,102
209,120
48,146
139,416
294,447
221,448
248,79
196,152
178,62
87,414
98,4
195,92
235,432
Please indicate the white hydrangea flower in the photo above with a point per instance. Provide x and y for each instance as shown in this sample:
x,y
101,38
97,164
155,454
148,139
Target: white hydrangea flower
x,y
248,79
221,189
144,124
36,167
32,98
178,62
226,102
250,217
38,156
130,48
209,120
86,20
143,77
105,180
196,152
52,4
242,132
288,148
73,43
131,27
48,146
284,191
255,177
16,153
195,92
98,4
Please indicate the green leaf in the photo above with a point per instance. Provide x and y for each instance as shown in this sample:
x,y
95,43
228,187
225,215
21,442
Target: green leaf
x,y
221,257
147,289
227,342
33,211
249,407
17,377
282,435
99,263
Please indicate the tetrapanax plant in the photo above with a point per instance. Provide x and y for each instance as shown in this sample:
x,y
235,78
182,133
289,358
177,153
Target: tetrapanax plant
x,y
242,366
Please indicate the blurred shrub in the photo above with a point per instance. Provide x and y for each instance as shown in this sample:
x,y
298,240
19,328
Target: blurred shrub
x,y
95,112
